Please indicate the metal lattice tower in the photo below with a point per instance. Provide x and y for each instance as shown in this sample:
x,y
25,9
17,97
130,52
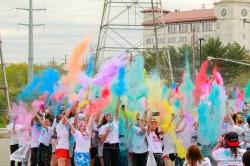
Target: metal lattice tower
x,y
3,80
121,27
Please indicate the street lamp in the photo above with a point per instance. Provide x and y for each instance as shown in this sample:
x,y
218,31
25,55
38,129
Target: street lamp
x,y
201,39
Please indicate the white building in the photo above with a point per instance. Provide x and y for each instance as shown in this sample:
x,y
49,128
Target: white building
x,y
225,20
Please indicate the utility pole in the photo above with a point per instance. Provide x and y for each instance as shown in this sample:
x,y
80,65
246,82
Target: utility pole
x,y
30,25
65,59
5,88
158,60
170,65
193,51
53,62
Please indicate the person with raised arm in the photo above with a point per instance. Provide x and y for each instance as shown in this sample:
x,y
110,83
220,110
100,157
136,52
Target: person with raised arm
x,y
45,148
82,136
109,135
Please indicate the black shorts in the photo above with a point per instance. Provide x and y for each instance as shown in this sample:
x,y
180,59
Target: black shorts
x,y
93,152
172,156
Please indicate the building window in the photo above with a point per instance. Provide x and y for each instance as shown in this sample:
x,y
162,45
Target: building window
x,y
172,28
183,39
172,40
207,26
183,28
195,26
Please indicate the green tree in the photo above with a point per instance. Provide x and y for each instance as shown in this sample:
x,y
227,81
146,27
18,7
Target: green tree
x,y
233,51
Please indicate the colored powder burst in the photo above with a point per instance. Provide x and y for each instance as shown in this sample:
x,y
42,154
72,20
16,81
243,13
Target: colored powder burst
x,y
168,127
135,81
187,88
21,113
200,80
119,87
165,92
98,105
110,69
90,67
38,105
239,103
247,92
73,69
131,116
154,85
44,81
75,63
217,76
211,113
135,78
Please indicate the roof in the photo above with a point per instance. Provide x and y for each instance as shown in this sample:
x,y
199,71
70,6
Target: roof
x,y
156,9
185,16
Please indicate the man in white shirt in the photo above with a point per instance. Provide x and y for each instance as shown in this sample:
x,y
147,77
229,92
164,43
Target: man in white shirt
x,y
237,127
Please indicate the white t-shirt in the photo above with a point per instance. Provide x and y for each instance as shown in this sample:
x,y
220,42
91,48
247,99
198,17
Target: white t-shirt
x,y
35,134
186,134
139,144
83,142
13,137
204,162
168,143
62,137
113,136
225,127
246,129
154,143
224,157
45,136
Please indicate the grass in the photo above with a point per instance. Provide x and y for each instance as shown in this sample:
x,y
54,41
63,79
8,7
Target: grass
x,y
3,120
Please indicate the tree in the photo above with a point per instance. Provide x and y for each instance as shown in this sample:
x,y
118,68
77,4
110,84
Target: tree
x,y
228,70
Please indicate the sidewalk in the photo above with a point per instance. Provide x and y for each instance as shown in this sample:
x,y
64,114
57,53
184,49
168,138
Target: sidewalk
x,y
3,133
4,152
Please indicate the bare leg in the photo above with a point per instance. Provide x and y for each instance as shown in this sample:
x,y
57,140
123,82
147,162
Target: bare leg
x,y
62,161
53,160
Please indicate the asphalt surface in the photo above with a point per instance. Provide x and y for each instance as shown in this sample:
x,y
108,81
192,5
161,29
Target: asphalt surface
x,y
4,152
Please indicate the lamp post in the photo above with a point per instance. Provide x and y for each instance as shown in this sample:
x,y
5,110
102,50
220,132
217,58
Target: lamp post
x,y
201,39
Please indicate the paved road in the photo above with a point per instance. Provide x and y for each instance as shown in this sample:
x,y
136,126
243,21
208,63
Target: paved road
x,y
4,152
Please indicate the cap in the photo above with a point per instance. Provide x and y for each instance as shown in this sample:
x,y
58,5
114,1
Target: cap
x,y
232,139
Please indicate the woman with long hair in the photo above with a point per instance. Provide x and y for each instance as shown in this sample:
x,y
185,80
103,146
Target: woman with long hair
x,y
154,139
195,158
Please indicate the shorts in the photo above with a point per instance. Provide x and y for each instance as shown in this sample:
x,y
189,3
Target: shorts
x,y
81,159
93,152
62,153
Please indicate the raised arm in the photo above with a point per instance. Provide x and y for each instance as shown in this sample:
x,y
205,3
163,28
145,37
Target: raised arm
x,y
72,128
41,121
117,109
90,121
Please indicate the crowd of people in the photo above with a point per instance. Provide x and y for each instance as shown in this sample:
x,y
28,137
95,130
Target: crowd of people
x,y
122,115
73,138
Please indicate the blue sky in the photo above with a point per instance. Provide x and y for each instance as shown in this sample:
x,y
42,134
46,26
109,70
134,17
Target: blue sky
x,y
66,23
